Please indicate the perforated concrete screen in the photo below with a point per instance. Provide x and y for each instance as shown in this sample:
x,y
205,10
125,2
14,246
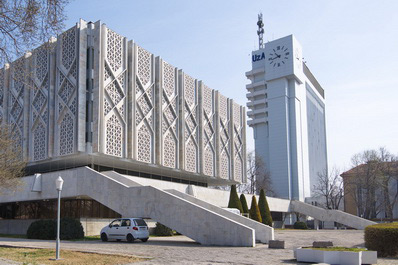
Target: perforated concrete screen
x,y
91,95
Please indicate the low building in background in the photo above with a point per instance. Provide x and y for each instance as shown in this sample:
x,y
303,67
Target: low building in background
x,y
371,191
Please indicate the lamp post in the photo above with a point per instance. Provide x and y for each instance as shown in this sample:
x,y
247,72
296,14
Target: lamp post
x,y
58,183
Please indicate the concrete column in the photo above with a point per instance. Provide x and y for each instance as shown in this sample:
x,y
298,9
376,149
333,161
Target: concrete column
x,y
217,133
131,100
232,150
158,90
316,224
81,57
181,122
200,128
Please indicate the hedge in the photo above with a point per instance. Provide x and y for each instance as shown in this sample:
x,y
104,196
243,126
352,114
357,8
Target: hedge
x,y
47,229
264,209
162,230
382,238
244,203
234,201
300,225
255,211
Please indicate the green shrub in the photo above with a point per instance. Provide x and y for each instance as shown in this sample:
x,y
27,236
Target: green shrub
x,y
162,230
42,229
244,203
300,225
255,211
234,201
382,238
47,229
71,229
264,209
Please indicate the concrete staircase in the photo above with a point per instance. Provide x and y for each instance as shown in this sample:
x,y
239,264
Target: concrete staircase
x,y
263,233
130,199
330,215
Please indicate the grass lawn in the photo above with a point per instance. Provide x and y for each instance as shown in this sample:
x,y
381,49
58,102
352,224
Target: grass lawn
x,y
12,236
43,256
86,238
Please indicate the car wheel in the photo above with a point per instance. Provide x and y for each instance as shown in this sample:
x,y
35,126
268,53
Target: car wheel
x,y
104,237
130,238
144,239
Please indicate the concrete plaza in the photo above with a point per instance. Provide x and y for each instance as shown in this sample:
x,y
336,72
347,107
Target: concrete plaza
x,y
182,250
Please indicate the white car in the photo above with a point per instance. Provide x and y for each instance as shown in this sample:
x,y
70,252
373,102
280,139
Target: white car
x,y
126,229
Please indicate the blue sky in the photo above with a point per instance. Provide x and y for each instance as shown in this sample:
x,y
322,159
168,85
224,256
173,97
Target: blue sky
x,y
350,46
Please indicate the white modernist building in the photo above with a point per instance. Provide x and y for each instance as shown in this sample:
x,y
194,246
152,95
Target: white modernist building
x,y
92,98
132,136
287,114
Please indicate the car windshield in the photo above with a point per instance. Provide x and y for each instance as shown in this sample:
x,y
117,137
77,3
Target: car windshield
x,y
140,222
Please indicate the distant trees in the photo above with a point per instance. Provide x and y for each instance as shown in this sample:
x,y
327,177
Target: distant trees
x,y
373,183
11,163
258,177
329,187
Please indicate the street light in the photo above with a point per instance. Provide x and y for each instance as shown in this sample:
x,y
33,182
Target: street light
x,y
58,184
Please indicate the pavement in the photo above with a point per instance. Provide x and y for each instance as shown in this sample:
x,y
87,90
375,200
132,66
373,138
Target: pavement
x,y
182,250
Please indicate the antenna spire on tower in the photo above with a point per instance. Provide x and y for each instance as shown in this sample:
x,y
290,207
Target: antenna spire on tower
x,y
260,31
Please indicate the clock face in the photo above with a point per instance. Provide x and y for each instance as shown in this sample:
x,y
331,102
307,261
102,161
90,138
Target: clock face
x,y
279,56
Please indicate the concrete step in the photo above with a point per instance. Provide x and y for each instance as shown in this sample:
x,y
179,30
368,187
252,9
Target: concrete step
x,y
330,215
263,232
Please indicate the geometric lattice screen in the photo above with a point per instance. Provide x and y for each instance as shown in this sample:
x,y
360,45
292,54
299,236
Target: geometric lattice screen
x,y
169,115
208,118
2,96
114,93
39,102
90,91
238,142
144,103
190,131
224,138
66,94
16,100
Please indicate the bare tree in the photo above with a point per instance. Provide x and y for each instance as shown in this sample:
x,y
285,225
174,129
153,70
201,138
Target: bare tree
x,y
11,164
370,182
27,23
329,187
258,177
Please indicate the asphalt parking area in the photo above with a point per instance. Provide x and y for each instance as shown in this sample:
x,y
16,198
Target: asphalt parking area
x,y
182,250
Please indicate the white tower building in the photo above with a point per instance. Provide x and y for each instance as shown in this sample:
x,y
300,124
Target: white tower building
x,y
287,114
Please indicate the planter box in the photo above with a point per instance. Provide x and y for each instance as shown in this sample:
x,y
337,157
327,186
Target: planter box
x,y
335,257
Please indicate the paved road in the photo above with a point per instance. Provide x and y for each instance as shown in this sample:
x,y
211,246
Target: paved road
x,y
182,250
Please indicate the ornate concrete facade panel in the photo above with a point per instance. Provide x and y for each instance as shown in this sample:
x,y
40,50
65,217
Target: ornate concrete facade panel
x,y
224,135
190,123
169,114
208,130
143,105
2,94
114,93
39,103
66,93
238,142
16,102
